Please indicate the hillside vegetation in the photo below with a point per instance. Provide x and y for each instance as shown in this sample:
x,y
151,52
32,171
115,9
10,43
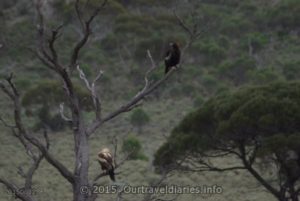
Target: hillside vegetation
x,y
240,43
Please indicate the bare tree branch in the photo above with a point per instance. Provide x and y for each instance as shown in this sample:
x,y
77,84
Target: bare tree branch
x,y
157,184
62,114
87,31
5,123
115,143
183,24
49,56
153,67
31,171
45,133
41,51
80,175
196,163
92,89
78,13
209,168
145,91
26,192
257,176
193,31
17,191
22,132
40,56
28,147
51,43
51,61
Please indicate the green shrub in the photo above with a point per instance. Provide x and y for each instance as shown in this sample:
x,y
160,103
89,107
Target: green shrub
x,y
248,8
187,89
212,52
20,35
235,26
236,70
285,15
263,76
51,93
224,42
175,92
291,70
66,9
139,118
136,75
109,43
46,120
114,8
56,123
7,4
209,82
132,146
198,101
256,39
22,83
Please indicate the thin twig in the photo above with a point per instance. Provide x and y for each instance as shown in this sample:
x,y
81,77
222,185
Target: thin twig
x,y
23,133
7,124
87,31
62,114
145,91
92,89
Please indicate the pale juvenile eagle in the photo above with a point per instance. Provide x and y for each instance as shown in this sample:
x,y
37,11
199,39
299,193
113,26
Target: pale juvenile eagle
x,y
106,161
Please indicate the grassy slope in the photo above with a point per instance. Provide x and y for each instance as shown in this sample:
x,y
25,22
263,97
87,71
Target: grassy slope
x,y
237,185
165,112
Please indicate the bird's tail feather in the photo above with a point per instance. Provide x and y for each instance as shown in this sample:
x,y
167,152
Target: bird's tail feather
x,y
112,174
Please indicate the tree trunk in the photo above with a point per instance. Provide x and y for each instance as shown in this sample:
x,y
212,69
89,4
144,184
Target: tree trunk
x,y
256,175
81,164
81,147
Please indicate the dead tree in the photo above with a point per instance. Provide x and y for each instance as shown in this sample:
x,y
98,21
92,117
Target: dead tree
x,y
28,142
82,130
195,29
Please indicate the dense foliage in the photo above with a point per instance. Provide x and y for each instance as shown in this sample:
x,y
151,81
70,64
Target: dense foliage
x,y
133,148
139,118
251,123
241,42
44,99
268,112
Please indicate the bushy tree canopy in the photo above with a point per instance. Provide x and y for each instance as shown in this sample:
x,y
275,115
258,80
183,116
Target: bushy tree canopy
x,y
133,147
51,93
251,123
264,112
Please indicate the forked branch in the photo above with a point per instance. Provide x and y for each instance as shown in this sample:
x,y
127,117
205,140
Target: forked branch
x,y
86,27
14,189
193,30
144,92
23,134
92,89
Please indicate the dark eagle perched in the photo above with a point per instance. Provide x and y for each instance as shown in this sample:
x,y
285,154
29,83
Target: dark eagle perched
x,y
106,161
172,57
